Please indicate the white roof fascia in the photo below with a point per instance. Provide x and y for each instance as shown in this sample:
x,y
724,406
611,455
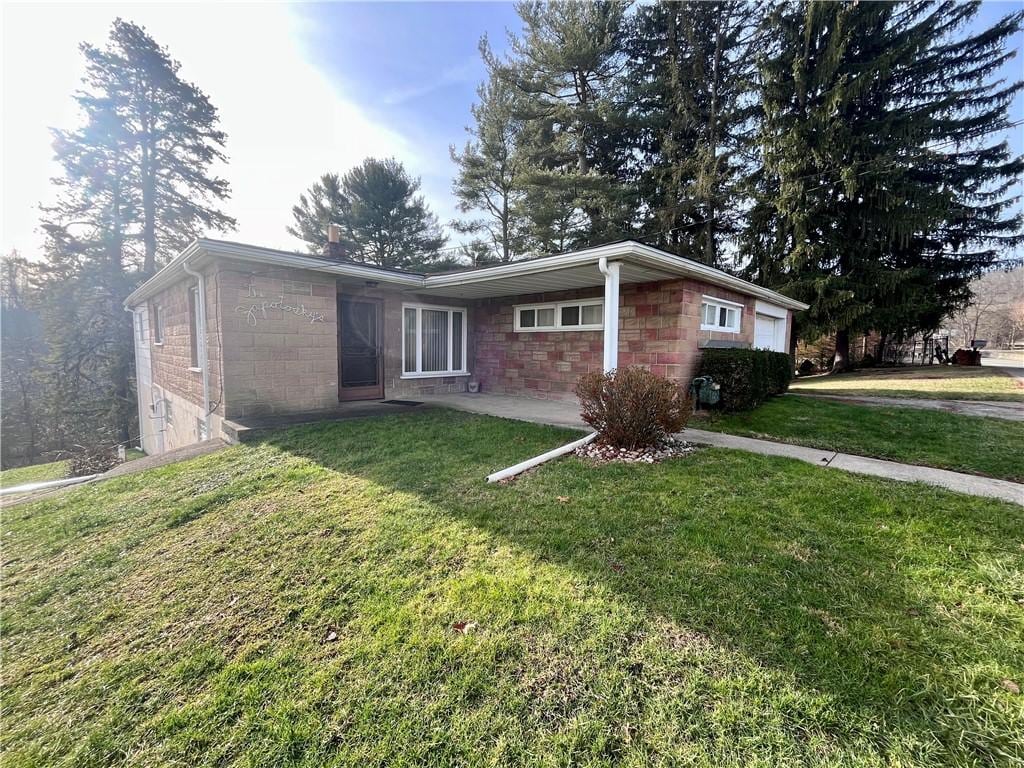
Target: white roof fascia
x,y
174,272
634,251
631,250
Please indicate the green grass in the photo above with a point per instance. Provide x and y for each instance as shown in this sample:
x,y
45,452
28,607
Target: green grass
x,y
721,609
935,382
993,447
35,473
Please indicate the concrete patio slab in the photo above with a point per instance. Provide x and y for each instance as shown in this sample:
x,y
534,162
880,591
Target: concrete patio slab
x,y
557,413
244,430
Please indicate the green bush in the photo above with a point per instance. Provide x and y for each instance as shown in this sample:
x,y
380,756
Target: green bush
x,y
780,372
747,376
632,407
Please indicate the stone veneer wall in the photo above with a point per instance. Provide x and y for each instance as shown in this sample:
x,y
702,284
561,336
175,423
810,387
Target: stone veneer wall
x,y
659,328
172,359
175,404
280,335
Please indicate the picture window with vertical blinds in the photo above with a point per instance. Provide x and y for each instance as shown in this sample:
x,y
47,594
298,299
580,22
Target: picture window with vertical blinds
x,y
433,340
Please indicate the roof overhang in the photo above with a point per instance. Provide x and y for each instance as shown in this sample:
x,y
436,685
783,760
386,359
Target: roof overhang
x,y
567,271
201,251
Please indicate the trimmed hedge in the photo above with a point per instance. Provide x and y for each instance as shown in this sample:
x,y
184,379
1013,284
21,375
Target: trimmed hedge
x,y
780,372
747,376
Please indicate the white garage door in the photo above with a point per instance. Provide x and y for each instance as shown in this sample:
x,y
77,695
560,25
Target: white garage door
x,y
769,332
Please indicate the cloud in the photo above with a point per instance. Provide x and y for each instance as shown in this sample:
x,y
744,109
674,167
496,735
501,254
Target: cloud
x,y
287,123
467,72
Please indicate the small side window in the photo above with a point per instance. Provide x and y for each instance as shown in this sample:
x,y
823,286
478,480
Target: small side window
x,y
720,315
193,326
158,325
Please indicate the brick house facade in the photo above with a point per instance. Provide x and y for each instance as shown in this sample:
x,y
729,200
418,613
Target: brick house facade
x,y
274,339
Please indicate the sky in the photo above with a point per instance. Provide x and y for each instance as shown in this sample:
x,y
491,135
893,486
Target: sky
x,y
302,89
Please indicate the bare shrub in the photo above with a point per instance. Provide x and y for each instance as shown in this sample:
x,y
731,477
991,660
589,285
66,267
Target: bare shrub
x,y
91,461
632,407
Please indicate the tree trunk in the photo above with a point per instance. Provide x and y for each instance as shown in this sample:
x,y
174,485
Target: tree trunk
x,y
711,183
148,205
880,349
842,359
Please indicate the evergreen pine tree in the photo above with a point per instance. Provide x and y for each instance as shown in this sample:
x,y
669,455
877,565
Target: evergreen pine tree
x,y
491,172
134,186
881,195
171,130
323,204
692,67
566,72
389,223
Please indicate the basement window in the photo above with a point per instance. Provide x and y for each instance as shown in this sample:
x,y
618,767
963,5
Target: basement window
x,y
720,315
563,316
158,324
433,341
194,322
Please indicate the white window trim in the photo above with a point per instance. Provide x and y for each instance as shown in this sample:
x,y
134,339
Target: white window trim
x,y
558,306
419,373
719,304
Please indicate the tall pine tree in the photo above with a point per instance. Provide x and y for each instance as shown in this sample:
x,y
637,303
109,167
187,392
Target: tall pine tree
x,y
881,194
135,188
692,67
491,172
175,135
566,69
384,220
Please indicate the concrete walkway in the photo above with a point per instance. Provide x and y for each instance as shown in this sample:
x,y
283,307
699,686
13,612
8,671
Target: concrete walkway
x,y
993,409
974,485
566,414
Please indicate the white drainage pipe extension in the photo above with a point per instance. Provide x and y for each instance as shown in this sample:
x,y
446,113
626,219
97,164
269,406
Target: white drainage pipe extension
x,y
516,469
42,486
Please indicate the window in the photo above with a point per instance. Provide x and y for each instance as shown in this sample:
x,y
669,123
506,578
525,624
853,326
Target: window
x,y
194,324
140,327
158,325
433,340
720,315
564,316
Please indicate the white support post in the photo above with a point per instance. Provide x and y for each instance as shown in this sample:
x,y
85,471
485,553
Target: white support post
x,y
611,314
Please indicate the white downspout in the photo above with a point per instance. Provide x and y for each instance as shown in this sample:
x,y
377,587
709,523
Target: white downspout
x,y
203,357
136,322
611,313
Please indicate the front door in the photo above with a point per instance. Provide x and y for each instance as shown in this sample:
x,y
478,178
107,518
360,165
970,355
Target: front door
x,y
359,349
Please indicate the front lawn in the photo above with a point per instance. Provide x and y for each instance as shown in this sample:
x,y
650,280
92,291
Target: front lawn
x,y
354,594
993,447
936,382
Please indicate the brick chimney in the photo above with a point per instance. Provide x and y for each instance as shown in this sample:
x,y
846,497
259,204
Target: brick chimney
x,y
334,250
